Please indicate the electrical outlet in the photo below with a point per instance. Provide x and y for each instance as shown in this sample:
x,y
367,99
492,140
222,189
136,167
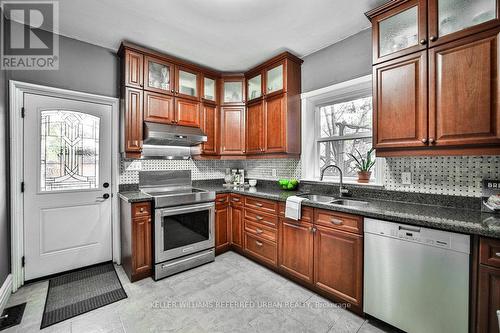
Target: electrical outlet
x,y
274,173
406,178
133,166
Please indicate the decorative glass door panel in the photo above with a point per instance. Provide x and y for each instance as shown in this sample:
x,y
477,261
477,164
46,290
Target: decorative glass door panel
x,y
274,79
188,83
254,87
233,92
398,32
209,89
456,15
158,76
69,151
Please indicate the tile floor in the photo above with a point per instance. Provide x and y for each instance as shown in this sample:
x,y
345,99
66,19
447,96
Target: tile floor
x,y
233,294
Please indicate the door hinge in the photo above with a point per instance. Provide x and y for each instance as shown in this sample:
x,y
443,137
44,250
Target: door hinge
x,y
22,186
22,112
23,261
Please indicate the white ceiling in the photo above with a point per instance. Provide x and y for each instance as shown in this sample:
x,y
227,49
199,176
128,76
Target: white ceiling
x,y
228,35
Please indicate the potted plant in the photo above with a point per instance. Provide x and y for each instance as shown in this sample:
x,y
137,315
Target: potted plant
x,y
364,165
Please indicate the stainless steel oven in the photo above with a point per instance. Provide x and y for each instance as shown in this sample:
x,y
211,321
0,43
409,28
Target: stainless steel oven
x,y
183,230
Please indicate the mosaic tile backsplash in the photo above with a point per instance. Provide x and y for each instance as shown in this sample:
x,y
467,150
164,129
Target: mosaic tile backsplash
x,y
460,175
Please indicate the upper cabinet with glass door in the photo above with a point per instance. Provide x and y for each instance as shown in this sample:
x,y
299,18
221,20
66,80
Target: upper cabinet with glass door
x,y
158,76
398,29
254,87
187,83
232,90
209,89
452,19
275,78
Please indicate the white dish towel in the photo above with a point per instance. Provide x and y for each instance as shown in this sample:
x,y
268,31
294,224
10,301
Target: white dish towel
x,y
293,207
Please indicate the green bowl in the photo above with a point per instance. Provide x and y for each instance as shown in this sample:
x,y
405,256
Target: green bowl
x,y
288,184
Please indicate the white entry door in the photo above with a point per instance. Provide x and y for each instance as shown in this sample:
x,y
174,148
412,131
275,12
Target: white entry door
x,y
67,191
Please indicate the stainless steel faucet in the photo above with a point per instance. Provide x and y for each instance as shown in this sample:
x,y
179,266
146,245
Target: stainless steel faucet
x,y
342,191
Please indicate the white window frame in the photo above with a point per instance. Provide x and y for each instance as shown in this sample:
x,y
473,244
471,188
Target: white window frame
x,y
311,103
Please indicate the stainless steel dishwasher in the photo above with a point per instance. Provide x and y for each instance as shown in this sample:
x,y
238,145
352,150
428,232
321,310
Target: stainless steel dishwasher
x,y
416,279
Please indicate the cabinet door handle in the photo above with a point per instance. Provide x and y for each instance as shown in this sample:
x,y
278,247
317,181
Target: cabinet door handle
x,y
259,217
258,243
433,38
258,204
336,221
236,199
142,209
423,41
432,141
222,200
259,231
497,254
172,91
424,140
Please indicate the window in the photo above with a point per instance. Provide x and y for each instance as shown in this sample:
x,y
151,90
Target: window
x,y
336,121
344,128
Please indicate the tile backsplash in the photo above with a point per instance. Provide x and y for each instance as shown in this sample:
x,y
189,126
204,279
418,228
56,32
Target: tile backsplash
x,y
456,175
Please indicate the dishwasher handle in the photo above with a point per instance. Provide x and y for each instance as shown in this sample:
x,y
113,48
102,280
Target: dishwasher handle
x,y
408,228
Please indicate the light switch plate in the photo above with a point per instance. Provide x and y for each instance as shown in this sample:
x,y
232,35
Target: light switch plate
x,y
406,178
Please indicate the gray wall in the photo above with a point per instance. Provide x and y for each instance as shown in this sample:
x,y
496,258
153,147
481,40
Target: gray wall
x,y
342,61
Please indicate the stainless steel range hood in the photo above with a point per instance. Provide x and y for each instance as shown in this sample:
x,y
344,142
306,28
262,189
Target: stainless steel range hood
x,y
171,142
172,135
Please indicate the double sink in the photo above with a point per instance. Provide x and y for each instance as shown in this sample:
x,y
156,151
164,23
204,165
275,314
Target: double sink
x,y
333,200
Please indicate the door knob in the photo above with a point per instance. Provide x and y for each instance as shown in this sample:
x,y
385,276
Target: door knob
x,y
104,196
423,41
433,38
105,185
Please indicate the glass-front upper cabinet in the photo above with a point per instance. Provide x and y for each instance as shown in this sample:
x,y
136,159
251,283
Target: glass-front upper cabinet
x,y
187,83
254,87
274,79
233,91
399,31
158,76
449,19
209,89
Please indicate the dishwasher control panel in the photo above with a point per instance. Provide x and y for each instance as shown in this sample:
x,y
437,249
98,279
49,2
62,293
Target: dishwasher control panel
x,y
426,236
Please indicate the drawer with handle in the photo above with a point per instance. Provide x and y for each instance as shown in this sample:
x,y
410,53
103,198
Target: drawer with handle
x,y
341,221
261,249
262,231
489,251
262,218
262,205
141,209
236,200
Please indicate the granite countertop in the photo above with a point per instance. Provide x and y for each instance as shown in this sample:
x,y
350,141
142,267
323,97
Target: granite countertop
x,y
466,221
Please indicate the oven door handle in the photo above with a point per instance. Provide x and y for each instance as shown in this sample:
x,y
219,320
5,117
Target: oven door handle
x,y
185,209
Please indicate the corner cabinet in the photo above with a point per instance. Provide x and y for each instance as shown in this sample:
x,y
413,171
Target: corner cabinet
x,y
136,239
435,78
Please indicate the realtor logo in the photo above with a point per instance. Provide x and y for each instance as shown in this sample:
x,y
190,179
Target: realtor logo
x,y
29,38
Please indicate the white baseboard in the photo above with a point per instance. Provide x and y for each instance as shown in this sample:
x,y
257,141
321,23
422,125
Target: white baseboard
x,y
5,292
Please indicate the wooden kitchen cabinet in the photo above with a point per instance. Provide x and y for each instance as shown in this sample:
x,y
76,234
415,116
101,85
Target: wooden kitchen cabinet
x,y
275,123
159,75
232,130
296,248
232,90
488,299
159,108
187,112
209,125
236,216
222,226
133,69
338,264
400,98
187,84
133,118
254,128
464,109
136,239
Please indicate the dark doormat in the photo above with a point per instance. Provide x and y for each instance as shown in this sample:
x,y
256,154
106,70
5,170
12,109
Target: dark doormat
x,y
75,293
12,316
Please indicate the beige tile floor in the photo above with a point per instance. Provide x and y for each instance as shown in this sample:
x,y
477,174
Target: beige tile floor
x,y
233,294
